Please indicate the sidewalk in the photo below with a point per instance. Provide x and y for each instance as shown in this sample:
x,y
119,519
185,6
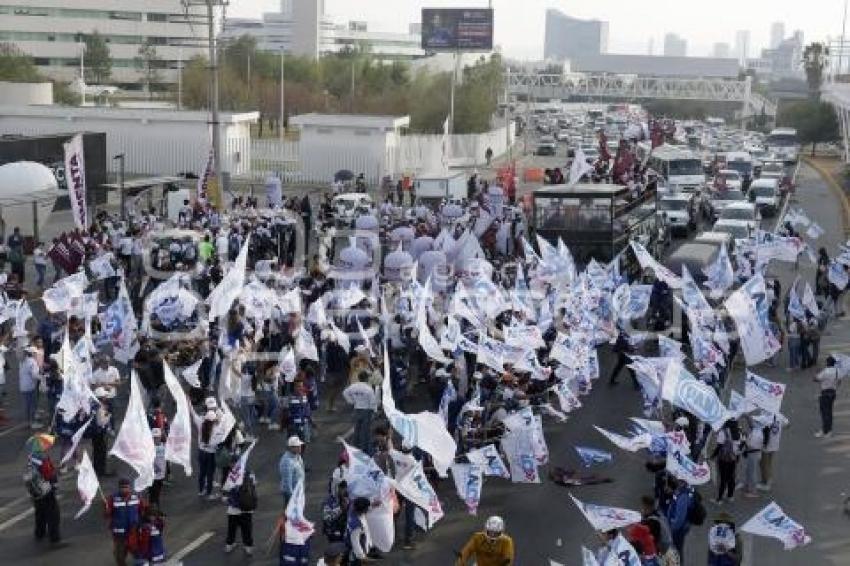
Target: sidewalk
x,y
832,170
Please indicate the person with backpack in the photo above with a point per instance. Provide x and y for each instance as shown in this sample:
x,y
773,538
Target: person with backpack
x,y
724,542
124,509
241,504
40,480
726,453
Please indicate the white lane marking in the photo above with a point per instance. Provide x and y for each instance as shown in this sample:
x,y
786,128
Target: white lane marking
x,y
13,503
16,519
192,546
12,429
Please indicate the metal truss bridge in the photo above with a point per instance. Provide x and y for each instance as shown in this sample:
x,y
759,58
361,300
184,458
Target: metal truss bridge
x,y
630,87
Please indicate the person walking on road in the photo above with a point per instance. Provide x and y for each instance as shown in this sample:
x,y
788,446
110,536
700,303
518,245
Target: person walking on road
x,y
829,378
241,504
724,542
124,510
362,397
490,547
40,480
291,468
726,452
28,378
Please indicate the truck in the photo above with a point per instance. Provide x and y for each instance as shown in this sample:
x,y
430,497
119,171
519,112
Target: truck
x,y
431,190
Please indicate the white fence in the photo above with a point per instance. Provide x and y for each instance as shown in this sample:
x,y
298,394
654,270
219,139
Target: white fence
x,y
413,154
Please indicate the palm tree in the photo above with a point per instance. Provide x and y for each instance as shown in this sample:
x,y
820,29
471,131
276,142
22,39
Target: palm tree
x,y
815,57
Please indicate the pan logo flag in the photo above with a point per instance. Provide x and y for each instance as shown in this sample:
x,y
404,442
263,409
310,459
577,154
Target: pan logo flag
x,y
298,529
763,393
590,456
685,469
603,518
488,458
683,390
468,481
773,522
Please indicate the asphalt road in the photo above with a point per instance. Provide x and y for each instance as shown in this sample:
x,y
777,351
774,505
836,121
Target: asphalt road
x,y
810,477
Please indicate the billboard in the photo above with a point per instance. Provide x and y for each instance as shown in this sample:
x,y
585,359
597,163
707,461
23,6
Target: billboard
x,y
457,29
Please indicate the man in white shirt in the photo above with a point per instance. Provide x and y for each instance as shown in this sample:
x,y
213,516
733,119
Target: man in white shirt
x,y
106,376
362,397
28,377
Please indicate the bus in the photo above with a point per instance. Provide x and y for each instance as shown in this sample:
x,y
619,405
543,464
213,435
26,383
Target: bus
x,y
596,221
679,168
784,144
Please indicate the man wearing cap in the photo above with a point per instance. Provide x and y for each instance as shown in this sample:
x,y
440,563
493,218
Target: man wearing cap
x,y
124,510
291,468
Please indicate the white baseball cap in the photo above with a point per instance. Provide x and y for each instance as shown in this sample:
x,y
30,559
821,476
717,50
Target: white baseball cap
x,y
294,442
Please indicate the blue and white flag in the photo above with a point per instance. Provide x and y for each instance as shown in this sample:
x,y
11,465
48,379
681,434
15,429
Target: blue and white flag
x,y
449,395
298,529
491,463
622,553
236,476
795,305
639,296
119,325
763,393
683,390
837,275
773,522
680,465
468,483
566,398
630,444
720,274
590,456
748,308
603,518
661,272
670,348
809,300
415,487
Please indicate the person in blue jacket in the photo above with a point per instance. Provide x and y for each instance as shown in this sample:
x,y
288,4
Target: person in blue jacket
x,y
677,513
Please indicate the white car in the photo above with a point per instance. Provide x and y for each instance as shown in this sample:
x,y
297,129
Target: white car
x,y
562,135
721,199
738,229
676,210
765,193
741,211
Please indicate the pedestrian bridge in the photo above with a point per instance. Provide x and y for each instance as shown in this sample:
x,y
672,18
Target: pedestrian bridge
x,y
838,94
632,87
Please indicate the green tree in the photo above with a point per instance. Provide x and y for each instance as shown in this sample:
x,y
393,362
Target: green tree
x,y
815,57
149,63
815,122
96,59
17,66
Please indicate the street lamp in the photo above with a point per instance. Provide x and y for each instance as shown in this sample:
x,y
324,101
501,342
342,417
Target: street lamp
x,y
120,159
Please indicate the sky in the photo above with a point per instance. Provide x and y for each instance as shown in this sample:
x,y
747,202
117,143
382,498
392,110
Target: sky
x,y
520,23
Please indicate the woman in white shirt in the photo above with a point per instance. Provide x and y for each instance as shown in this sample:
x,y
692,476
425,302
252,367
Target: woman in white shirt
x,y
752,457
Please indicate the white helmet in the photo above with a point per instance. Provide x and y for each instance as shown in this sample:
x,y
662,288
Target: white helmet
x,y
494,526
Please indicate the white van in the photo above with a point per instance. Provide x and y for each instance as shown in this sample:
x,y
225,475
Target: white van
x,y
765,194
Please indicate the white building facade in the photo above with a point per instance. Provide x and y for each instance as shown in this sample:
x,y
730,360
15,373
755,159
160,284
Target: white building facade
x,y
51,31
302,27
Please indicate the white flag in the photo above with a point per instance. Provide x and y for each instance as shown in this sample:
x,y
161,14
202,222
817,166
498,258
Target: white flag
x,y
622,554
468,480
763,393
75,441
579,168
415,487
428,342
630,444
425,430
190,374
134,443
305,347
683,390
365,338
604,518
298,529
587,558
231,285
809,300
773,522
121,326
178,444
491,463
682,467
75,175
237,472
288,367
87,484
661,272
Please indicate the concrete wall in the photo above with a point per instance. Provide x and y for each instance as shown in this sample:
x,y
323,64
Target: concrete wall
x,y
25,94
155,142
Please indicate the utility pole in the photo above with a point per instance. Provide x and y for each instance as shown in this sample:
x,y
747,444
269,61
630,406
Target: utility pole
x,y
215,124
280,127
452,94
841,49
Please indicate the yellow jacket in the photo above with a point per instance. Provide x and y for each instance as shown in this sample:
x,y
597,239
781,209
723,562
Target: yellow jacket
x,y
487,552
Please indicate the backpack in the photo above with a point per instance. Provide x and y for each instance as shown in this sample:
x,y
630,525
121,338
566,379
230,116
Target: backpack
x,y
696,511
36,485
246,496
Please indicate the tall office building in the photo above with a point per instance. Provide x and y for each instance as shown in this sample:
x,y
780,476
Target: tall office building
x,y
675,46
52,31
721,50
568,38
742,46
777,34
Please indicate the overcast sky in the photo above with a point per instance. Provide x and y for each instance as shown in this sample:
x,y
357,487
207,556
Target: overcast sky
x,y
520,23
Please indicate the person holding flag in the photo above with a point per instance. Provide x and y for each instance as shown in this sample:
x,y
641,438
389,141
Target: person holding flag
x,y
40,480
241,491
